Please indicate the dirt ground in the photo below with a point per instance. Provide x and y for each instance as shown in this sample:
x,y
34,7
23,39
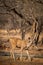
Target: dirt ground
x,y
11,62
5,60
37,60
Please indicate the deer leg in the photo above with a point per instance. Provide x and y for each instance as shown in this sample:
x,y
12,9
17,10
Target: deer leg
x,y
12,54
28,56
21,55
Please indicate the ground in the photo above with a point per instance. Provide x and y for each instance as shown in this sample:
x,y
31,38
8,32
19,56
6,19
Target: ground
x,y
37,59
12,62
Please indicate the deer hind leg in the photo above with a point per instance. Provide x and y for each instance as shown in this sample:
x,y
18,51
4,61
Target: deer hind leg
x,y
21,55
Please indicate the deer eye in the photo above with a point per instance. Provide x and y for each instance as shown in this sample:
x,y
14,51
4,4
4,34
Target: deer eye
x,y
29,38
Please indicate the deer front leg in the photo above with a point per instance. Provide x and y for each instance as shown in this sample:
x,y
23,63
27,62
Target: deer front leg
x,y
12,54
29,58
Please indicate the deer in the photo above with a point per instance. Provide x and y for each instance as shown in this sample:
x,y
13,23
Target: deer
x,y
22,44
